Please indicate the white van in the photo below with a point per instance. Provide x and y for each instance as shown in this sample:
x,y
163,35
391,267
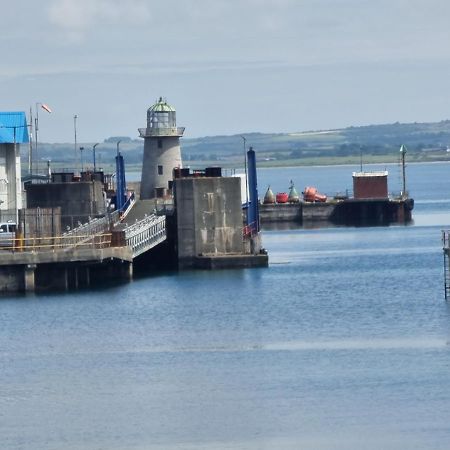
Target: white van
x,y
7,234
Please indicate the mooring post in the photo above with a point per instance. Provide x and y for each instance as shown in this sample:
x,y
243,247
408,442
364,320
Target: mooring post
x,y
127,270
29,279
88,276
64,279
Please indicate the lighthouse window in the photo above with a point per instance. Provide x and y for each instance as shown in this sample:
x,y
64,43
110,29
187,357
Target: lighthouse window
x,y
160,170
159,143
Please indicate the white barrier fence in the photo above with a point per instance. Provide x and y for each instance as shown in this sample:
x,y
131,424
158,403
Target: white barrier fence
x,y
146,234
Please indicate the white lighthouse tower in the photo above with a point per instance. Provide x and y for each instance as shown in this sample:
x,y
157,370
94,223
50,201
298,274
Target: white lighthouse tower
x,y
161,149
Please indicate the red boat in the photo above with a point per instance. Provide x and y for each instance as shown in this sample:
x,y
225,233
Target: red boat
x,y
311,195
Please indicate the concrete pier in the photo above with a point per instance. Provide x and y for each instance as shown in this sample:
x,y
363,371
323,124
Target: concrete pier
x,y
210,232
350,212
217,262
63,269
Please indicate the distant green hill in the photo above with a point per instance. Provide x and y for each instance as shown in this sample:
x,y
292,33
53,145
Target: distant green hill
x,y
375,143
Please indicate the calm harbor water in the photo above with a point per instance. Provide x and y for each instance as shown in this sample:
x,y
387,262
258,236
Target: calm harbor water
x,y
342,343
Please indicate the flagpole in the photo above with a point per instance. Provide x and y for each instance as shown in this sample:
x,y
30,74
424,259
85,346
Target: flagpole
x,y
75,117
30,151
36,129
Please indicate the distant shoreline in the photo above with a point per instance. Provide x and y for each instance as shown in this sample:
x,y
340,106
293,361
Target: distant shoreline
x,y
238,165
351,164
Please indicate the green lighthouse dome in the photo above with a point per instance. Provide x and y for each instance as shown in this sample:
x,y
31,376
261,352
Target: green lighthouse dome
x,y
161,115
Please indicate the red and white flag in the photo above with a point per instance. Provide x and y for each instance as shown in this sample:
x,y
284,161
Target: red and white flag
x,y
44,106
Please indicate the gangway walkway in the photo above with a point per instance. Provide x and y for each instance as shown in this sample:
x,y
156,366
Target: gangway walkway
x,y
145,234
139,210
143,228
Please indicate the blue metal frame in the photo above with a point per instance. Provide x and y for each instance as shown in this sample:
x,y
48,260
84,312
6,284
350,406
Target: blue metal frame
x,y
253,207
120,183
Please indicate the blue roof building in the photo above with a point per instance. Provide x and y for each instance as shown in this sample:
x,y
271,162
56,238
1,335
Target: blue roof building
x,y
13,128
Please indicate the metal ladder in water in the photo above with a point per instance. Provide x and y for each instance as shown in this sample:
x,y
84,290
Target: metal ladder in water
x,y
446,250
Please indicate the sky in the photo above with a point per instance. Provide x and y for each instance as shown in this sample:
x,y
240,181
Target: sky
x,y
227,66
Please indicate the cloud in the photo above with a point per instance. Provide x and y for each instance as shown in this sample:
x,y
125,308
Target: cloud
x,y
77,17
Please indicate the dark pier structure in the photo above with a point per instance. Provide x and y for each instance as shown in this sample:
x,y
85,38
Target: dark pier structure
x,y
202,229
79,230
370,206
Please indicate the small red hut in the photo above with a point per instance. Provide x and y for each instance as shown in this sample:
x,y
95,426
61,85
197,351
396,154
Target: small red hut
x,y
370,185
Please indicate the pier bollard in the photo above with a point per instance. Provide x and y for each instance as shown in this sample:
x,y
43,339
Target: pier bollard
x,y
19,241
29,279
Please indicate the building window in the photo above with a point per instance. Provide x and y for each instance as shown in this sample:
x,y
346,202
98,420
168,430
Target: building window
x,y
160,170
159,143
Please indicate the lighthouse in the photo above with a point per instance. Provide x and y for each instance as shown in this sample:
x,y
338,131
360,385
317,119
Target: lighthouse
x,y
161,150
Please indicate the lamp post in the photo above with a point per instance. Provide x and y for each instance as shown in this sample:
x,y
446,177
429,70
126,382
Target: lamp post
x,y
360,158
30,149
93,152
403,154
15,187
81,153
75,117
49,171
36,131
119,184
245,171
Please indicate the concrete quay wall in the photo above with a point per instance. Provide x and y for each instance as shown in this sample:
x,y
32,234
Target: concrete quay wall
x,y
219,262
280,212
346,212
209,216
63,270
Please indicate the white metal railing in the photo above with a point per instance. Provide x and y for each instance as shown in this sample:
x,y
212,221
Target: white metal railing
x,y
114,217
169,131
140,237
88,230
126,208
54,243
91,228
93,234
146,234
